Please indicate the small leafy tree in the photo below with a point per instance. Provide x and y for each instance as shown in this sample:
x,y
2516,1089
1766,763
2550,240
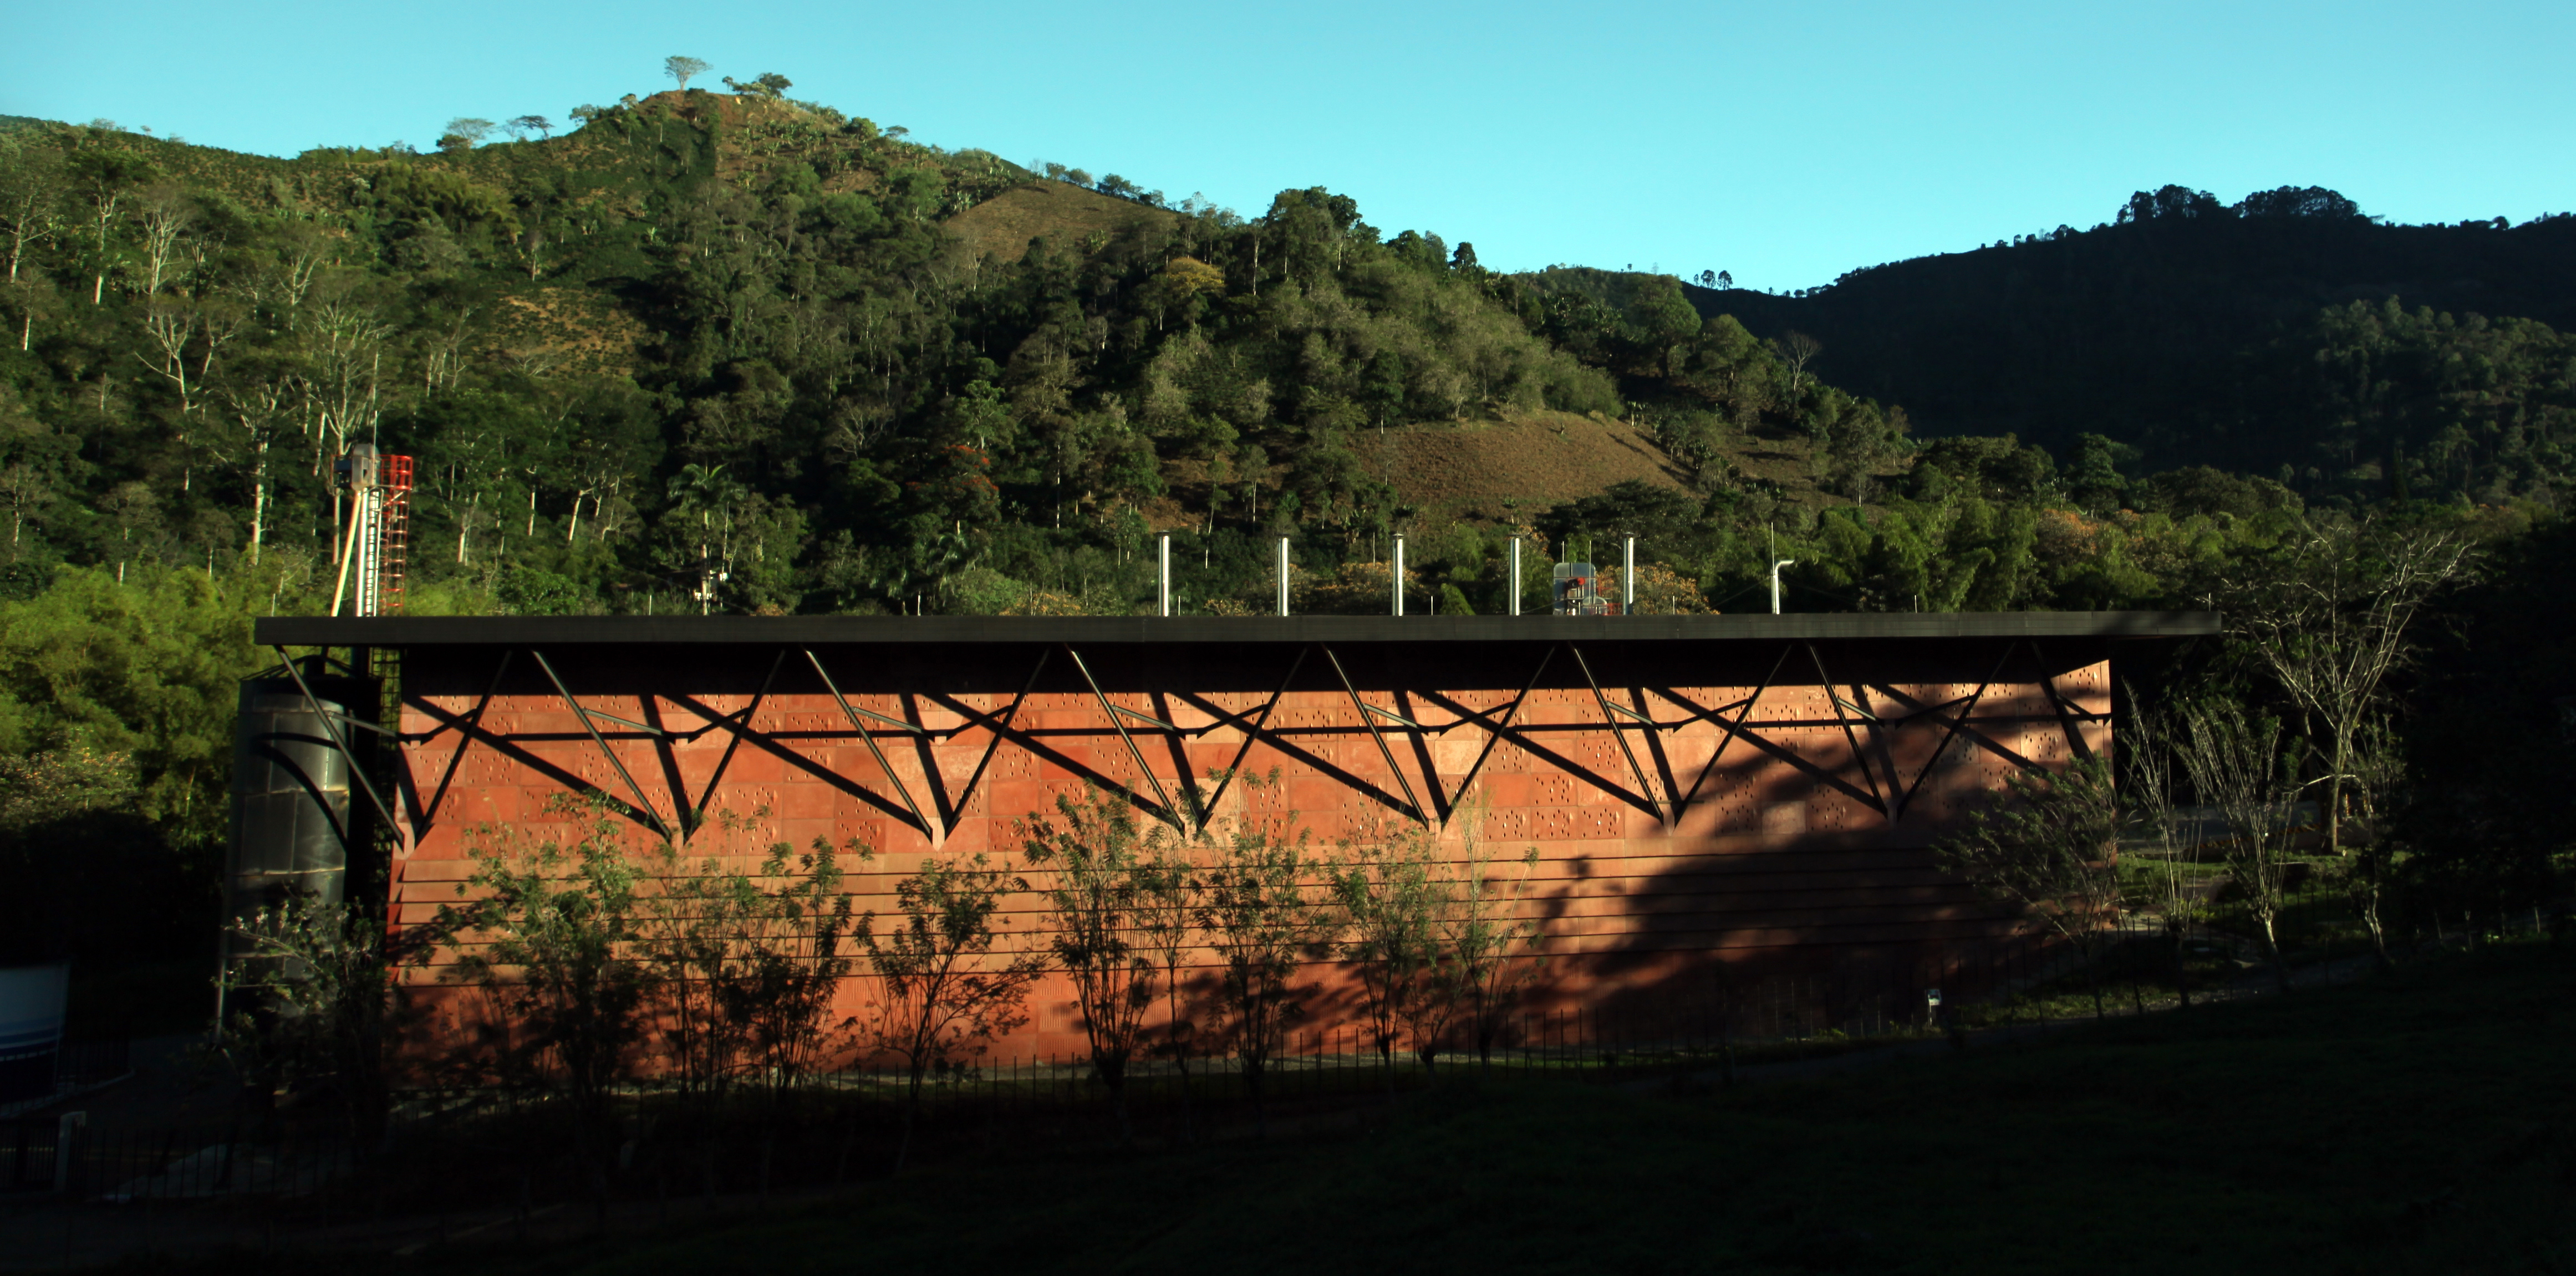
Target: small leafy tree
x,y
795,966
749,964
310,1000
1493,952
1263,918
1392,897
1104,876
2147,755
553,933
941,993
768,84
689,933
1167,910
2377,762
2046,844
2238,764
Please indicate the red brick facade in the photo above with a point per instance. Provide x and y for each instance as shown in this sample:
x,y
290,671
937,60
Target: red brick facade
x,y
1765,800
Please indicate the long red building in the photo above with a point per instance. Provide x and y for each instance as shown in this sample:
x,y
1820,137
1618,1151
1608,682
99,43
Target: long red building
x,y
1761,790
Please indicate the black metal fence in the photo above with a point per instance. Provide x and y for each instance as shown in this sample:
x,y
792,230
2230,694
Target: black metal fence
x,y
443,1143
475,1148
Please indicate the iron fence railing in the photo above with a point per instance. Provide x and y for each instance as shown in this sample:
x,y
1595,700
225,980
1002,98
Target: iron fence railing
x,y
481,1147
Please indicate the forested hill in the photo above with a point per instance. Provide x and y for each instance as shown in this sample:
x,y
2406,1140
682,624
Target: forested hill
x,y
742,338
847,368
755,347
2253,336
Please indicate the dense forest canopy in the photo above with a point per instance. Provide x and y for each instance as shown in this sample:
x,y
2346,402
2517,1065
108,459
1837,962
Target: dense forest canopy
x,y
738,333
741,340
2287,335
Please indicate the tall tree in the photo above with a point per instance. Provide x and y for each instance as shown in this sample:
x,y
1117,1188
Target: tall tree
x,y
2379,779
464,133
2239,763
683,69
164,212
105,178
2329,614
31,182
1664,318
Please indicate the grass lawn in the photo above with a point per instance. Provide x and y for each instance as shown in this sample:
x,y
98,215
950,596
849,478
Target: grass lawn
x,y
2425,1123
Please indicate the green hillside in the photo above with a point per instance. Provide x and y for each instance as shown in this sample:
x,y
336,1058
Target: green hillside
x,y
760,347
867,364
2287,335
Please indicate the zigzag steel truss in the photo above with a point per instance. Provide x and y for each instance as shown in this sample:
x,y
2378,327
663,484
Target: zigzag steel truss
x,y
1852,715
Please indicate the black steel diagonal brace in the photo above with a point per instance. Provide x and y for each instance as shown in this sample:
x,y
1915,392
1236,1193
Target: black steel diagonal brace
x,y
698,813
967,794
1493,735
2065,712
1842,718
338,741
465,735
642,807
1733,730
852,712
1645,789
1388,754
1951,736
1170,813
1207,811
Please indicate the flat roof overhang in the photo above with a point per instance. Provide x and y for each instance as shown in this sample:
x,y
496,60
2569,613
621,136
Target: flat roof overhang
x,y
517,631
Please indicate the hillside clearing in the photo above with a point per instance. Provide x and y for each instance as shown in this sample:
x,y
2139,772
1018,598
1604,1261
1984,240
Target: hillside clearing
x,y
1001,227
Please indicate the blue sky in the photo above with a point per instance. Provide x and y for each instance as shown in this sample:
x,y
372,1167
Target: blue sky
x,y
1785,143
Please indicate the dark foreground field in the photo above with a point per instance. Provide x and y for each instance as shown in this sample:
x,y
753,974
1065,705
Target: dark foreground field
x,y
2421,1123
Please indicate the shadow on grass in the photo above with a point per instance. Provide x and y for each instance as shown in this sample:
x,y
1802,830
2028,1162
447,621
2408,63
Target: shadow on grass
x,y
2418,1123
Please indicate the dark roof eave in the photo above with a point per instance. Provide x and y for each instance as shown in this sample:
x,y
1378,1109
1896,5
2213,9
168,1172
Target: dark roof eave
x,y
514,631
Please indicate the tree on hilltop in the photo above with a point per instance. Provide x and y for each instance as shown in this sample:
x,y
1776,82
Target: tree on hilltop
x,y
1663,316
464,133
768,84
684,69
520,126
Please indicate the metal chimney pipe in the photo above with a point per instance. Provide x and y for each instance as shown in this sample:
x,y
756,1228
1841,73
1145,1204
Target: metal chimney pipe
x,y
1516,575
1399,576
1283,575
1775,583
1166,573
1628,578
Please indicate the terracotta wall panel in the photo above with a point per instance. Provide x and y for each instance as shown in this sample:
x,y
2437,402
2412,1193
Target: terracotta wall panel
x,y
1789,842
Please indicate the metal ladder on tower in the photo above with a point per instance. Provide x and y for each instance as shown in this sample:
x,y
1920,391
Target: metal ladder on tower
x,y
395,527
